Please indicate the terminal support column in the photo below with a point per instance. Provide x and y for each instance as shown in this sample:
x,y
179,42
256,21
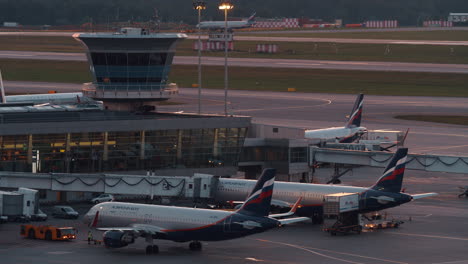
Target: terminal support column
x,y
142,145
30,146
105,153
215,142
179,145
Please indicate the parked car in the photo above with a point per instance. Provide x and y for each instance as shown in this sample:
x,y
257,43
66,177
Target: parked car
x,y
103,198
60,211
40,216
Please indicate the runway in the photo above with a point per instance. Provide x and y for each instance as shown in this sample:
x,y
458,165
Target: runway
x,y
313,111
243,37
266,63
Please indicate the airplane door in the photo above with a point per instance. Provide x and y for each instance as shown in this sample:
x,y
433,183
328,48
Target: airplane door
x,y
227,224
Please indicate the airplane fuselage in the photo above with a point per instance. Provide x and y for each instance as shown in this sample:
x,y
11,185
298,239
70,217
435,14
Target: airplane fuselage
x,y
181,224
221,24
53,98
312,195
334,133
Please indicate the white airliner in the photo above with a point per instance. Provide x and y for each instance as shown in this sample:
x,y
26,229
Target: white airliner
x,y
385,193
124,222
347,134
35,99
214,25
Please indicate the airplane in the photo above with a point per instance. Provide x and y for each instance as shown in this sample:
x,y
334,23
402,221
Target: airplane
x,y
34,99
124,222
219,25
347,134
385,193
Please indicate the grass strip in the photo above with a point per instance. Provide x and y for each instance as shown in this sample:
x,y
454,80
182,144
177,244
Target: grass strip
x,y
287,50
444,35
455,120
266,79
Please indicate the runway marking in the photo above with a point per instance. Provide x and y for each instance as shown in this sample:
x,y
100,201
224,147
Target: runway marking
x,y
298,64
279,108
429,236
19,55
254,259
335,252
453,262
59,252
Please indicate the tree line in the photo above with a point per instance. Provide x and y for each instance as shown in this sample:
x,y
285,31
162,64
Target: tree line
x,y
66,12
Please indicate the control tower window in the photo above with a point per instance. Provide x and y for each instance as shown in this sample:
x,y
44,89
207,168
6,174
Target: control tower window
x,y
130,59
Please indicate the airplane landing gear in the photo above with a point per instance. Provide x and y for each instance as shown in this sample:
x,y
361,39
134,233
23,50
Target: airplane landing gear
x,y
152,249
195,246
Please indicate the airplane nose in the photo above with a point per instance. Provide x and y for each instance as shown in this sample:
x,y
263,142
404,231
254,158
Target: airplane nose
x,y
87,218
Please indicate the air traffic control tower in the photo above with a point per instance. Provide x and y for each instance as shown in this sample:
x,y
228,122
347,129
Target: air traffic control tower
x,y
130,68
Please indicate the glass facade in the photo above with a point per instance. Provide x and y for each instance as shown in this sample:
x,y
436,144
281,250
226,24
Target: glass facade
x,y
131,71
120,151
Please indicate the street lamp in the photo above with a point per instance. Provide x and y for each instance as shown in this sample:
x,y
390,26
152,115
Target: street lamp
x,y
225,6
199,6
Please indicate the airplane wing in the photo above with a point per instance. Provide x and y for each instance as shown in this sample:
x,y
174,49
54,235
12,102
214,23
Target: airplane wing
x,y
291,212
423,195
138,229
288,221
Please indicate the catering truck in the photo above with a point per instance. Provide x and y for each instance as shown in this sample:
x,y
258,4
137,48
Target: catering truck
x,y
340,213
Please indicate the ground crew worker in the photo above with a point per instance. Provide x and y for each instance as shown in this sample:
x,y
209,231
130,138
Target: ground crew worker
x,y
90,237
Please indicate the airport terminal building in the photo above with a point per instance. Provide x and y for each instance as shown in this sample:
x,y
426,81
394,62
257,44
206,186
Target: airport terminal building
x,y
105,141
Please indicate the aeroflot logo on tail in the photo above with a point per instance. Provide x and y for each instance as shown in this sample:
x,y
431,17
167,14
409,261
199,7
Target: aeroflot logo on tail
x,y
265,192
393,172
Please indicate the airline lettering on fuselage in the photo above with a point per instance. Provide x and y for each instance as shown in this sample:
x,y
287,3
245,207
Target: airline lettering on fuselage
x,y
128,208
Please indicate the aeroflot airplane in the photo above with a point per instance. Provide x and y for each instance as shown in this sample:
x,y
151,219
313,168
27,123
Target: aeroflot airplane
x,y
347,134
124,222
385,193
213,25
34,99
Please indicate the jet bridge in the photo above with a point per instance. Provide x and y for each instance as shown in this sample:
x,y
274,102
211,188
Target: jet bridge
x,y
196,186
430,163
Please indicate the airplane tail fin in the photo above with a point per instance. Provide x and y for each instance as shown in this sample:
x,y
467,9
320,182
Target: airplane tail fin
x,y
252,17
2,90
356,113
392,178
259,201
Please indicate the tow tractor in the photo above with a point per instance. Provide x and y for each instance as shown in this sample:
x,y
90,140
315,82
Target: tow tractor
x,y
48,232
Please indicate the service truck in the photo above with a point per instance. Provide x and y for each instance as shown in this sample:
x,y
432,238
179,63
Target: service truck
x,y
19,205
340,213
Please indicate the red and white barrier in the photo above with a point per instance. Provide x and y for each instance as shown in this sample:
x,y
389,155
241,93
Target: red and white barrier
x,y
267,48
319,25
382,24
213,45
285,23
437,23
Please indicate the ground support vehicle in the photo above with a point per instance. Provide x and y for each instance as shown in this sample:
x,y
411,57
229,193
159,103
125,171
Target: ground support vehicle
x,y
48,232
378,221
340,213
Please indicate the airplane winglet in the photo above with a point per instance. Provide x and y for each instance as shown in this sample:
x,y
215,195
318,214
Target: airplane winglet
x,y
291,212
296,205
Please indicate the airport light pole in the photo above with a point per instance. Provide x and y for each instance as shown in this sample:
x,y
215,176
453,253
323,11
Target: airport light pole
x,y
199,6
225,6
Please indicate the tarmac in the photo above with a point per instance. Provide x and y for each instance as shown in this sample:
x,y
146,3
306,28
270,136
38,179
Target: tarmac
x,y
434,232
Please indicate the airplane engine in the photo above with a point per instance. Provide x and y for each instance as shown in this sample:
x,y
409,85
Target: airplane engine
x,y
117,239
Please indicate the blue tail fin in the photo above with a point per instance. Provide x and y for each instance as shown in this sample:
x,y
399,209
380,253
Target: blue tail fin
x,y
392,177
259,201
355,116
252,17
